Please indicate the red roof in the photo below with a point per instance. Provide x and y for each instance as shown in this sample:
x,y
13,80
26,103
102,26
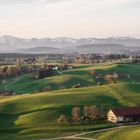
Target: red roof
x,y
127,111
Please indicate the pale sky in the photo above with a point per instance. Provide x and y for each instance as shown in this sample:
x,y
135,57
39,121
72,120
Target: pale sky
x,y
70,18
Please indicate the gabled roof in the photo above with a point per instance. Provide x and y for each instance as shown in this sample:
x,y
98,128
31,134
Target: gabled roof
x,y
126,111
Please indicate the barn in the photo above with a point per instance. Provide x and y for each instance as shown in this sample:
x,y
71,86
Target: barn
x,y
124,115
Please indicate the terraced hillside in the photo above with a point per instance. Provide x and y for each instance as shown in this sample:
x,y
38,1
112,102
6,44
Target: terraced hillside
x,y
33,116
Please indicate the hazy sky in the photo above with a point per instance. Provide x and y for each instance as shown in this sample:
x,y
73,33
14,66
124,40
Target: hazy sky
x,y
71,18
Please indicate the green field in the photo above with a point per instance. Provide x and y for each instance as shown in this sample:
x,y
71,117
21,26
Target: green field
x,y
33,116
28,84
130,133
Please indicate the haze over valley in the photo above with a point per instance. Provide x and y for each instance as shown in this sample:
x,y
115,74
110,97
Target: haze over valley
x,y
69,45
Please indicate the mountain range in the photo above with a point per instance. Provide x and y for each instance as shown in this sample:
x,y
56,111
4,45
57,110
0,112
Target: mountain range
x,y
67,45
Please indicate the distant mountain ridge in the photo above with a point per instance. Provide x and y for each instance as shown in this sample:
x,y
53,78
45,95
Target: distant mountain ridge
x,y
39,50
66,45
84,49
10,42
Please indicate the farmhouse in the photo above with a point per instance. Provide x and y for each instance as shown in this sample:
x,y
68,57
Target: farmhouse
x,y
124,115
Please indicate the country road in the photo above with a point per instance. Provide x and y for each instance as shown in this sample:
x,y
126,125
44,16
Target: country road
x,y
70,138
78,136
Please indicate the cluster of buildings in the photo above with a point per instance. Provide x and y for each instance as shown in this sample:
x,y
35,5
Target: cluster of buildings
x,y
92,58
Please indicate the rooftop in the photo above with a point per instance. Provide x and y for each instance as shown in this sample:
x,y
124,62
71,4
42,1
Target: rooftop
x,y
127,111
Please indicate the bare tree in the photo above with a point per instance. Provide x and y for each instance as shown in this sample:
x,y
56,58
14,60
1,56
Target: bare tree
x,y
110,79
86,112
94,112
62,119
76,113
91,112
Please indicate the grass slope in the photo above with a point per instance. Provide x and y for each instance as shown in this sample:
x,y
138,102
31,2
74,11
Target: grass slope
x,y
33,116
130,133
28,84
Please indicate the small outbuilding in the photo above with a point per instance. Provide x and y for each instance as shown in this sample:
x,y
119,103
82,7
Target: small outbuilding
x,y
124,115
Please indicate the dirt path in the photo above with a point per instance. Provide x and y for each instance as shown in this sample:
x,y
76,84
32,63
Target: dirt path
x,y
14,81
70,138
78,136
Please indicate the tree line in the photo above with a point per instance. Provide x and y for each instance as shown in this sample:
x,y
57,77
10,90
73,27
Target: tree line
x,y
81,115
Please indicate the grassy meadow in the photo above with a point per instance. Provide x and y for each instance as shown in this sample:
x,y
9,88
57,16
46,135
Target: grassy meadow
x,y
33,116
28,84
130,133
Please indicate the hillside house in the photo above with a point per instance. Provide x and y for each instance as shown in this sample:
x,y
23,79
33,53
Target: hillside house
x,y
115,75
67,67
124,115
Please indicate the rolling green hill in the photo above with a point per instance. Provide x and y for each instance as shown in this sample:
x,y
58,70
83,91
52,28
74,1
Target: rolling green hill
x,y
33,116
28,84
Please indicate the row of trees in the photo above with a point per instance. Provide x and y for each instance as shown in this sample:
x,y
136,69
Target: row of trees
x,y
78,115
9,71
93,58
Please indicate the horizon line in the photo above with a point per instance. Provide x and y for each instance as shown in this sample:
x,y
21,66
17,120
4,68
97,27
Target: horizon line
x,y
132,37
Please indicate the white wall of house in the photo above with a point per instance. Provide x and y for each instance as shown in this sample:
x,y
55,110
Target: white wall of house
x,y
120,119
111,117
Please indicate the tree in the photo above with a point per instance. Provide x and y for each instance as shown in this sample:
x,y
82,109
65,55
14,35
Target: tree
x,y
76,113
18,63
109,79
62,119
94,112
91,112
10,71
86,112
